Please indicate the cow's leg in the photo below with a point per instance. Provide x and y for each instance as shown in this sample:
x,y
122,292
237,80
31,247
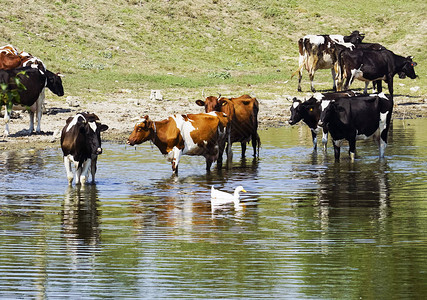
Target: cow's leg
x,y
39,109
93,168
209,162
337,150
243,145
379,86
301,62
78,172
31,126
334,80
255,144
352,150
67,164
325,140
383,128
85,171
6,120
390,87
365,91
314,137
176,156
311,75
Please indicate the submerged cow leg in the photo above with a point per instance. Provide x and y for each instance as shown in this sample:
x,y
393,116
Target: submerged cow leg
x,y
84,174
67,164
337,152
93,168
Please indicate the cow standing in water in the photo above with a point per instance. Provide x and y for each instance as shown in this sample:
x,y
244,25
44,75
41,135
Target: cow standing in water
x,y
358,117
192,134
242,113
81,145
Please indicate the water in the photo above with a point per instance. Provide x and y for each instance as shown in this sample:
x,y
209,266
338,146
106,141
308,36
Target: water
x,y
310,228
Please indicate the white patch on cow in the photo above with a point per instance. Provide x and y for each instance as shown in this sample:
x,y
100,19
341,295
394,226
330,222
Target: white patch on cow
x,y
93,126
339,143
324,104
337,38
74,121
382,126
295,104
318,96
324,138
315,39
382,95
186,127
213,113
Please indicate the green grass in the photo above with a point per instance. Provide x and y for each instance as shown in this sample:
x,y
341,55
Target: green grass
x,y
186,46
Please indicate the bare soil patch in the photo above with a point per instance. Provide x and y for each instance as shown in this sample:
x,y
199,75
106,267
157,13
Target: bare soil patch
x,y
121,114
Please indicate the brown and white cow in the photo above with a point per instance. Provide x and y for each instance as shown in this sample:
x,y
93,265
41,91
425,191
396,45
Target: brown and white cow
x,y
318,52
192,134
81,145
11,58
242,113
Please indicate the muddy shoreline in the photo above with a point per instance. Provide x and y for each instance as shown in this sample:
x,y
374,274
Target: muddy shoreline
x,y
121,113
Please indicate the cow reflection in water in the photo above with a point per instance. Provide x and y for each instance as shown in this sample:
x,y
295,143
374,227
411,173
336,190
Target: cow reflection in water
x,y
349,185
81,217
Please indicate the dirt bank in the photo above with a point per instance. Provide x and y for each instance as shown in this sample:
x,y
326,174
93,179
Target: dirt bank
x,y
121,113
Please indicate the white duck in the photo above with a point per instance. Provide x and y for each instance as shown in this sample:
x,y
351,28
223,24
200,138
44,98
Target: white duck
x,y
220,198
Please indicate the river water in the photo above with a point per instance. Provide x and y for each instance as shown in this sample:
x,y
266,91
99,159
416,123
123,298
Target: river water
x,y
310,227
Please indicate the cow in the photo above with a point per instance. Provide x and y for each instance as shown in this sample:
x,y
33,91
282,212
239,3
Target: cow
x,y
242,113
318,52
374,65
191,134
11,58
358,117
81,145
309,112
34,81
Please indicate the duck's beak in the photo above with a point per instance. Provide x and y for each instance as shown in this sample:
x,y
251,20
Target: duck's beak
x,y
244,191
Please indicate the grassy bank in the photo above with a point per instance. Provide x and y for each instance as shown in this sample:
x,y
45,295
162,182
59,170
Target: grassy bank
x,y
184,47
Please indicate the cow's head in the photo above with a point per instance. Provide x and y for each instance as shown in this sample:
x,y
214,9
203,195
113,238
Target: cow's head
x,y
143,131
92,130
225,106
84,129
308,111
408,69
355,37
326,110
210,103
54,83
295,112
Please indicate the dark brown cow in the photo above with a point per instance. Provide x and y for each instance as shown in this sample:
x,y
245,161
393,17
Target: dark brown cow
x,y
242,113
191,134
81,144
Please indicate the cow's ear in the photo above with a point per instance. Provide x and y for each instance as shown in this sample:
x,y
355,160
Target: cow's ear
x,y
200,103
103,127
69,120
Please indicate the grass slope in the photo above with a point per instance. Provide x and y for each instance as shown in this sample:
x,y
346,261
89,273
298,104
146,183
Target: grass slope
x,y
184,47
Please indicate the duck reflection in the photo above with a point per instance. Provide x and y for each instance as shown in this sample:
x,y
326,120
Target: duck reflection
x,y
80,215
182,203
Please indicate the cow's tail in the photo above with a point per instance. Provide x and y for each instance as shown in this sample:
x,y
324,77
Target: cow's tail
x,y
298,70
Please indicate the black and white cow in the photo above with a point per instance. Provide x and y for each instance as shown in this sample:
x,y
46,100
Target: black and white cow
x,y
81,145
358,117
32,97
318,52
309,112
374,65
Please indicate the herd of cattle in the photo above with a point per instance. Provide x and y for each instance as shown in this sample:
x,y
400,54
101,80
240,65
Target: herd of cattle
x,y
345,115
